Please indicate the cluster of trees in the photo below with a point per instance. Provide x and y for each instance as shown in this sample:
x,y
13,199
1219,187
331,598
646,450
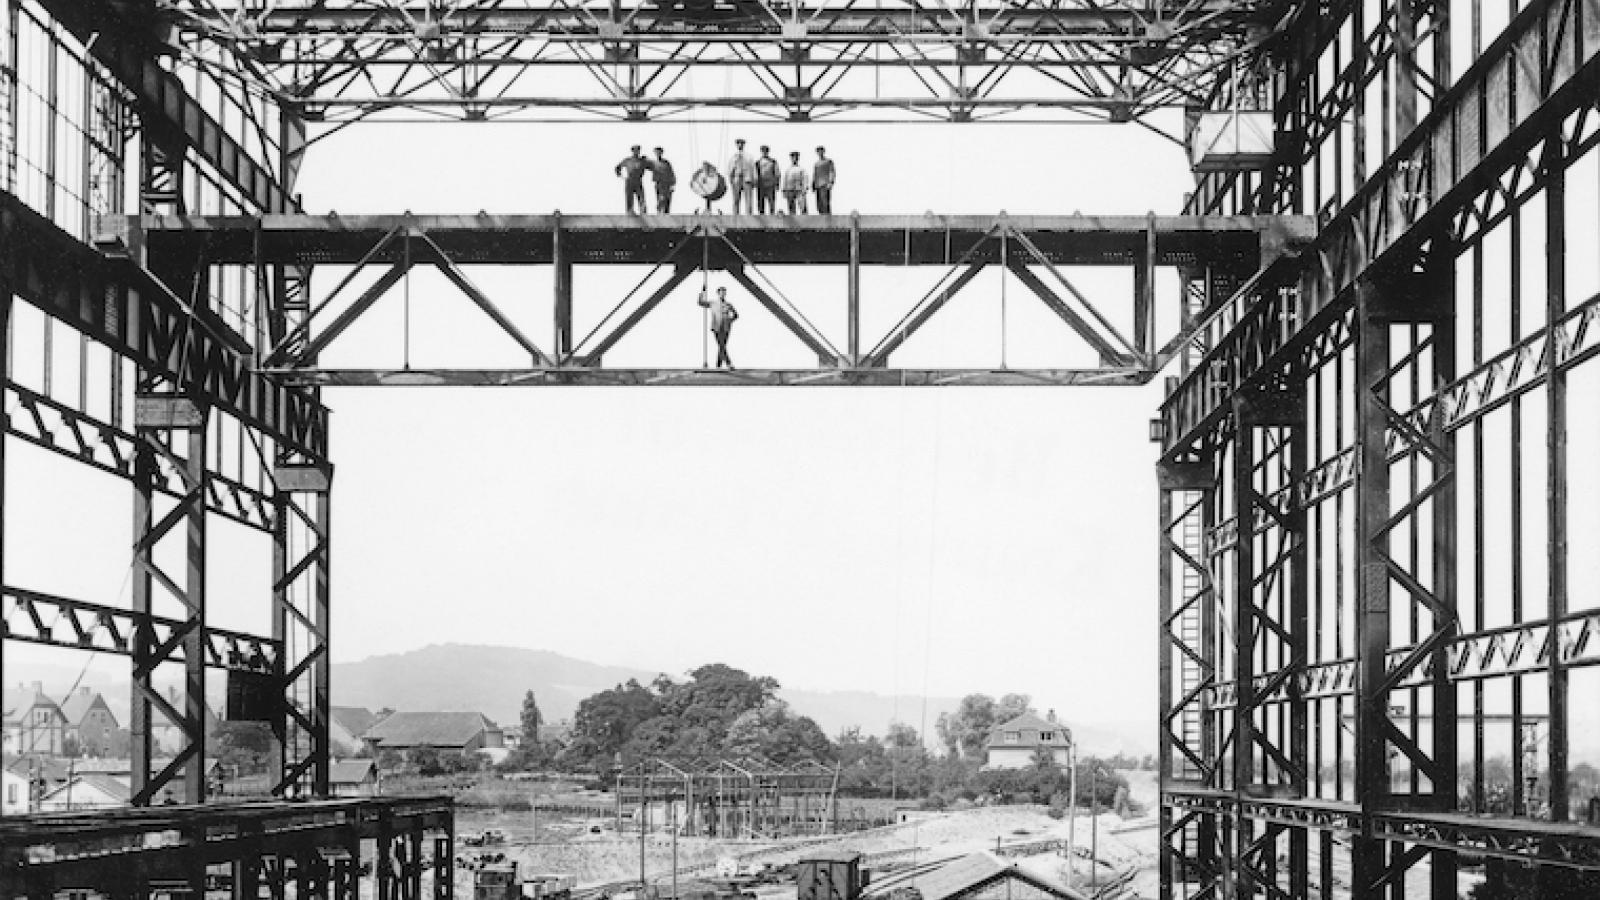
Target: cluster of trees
x,y
721,711
718,711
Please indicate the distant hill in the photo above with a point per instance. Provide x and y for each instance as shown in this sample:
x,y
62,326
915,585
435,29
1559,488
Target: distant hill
x,y
492,680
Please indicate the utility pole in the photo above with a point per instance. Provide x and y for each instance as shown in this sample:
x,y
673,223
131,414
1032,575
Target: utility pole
x,y
673,816
640,823
1072,809
1094,828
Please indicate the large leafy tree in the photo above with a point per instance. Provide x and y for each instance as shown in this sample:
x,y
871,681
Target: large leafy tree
x,y
605,721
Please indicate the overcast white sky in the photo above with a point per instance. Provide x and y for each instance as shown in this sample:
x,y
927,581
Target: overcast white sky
x,y
894,540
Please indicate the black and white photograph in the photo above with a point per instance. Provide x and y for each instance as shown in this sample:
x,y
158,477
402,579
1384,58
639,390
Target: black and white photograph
x,y
799,450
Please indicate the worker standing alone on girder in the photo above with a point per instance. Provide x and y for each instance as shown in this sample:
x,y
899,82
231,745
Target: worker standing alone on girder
x,y
723,315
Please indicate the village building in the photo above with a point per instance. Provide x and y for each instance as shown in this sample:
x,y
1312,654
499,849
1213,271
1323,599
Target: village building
x,y
15,798
346,725
976,876
90,723
40,727
1013,743
86,790
462,732
354,778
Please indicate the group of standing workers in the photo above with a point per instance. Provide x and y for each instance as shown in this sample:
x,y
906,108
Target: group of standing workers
x,y
754,182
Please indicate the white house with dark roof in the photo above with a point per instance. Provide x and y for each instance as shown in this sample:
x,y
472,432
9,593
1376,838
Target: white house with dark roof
x,y
1013,743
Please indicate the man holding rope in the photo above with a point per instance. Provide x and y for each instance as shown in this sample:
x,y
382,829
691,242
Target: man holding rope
x,y
721,319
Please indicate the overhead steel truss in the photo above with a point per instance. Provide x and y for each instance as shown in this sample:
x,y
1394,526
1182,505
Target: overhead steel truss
x,y
476,60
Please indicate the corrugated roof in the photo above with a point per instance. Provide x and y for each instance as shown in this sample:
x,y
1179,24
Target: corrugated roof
x,y
428,729
968,873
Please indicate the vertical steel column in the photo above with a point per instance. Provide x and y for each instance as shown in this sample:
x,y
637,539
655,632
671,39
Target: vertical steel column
x,y
1144,292
1239,881
1556,476
6,299
301,607
1372,580
561,267
1184,719
444,855
157,416
853,289
1423,296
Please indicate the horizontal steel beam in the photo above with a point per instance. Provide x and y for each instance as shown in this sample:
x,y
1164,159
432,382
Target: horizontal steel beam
x,y
556,376
61,429
36,618
164,838
1224,241
123,307
1518,840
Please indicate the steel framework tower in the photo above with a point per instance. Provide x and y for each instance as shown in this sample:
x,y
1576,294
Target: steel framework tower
x,y
1372,625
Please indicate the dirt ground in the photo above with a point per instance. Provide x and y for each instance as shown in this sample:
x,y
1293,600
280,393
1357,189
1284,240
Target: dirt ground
x,y
566,846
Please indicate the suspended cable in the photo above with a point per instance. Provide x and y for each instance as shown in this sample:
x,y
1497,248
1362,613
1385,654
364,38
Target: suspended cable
x,y
1004,246
705,310
406,323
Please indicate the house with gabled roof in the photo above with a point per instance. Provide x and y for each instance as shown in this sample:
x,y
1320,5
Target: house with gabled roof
x,y
1013,742
41,727
89,721
86,790
353,778
463,732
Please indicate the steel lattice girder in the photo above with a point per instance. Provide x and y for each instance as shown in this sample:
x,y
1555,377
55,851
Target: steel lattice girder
x,y
1031,247
107,629
471,58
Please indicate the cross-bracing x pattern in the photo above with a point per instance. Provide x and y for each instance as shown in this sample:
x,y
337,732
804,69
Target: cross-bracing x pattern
x,y
590,59
297,352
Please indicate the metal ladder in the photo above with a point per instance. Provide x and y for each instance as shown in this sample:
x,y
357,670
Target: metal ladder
x,y
1189,632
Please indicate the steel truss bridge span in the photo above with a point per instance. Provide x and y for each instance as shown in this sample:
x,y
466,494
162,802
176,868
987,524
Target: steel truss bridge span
x,y
1036,251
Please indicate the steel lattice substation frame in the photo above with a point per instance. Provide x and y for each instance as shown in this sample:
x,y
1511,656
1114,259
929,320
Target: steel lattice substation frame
x,y
736,798
1360,623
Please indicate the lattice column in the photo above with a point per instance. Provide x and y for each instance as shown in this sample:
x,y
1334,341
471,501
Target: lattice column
x,y
300,592
166,420
1405,557
1269,619
1187,751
